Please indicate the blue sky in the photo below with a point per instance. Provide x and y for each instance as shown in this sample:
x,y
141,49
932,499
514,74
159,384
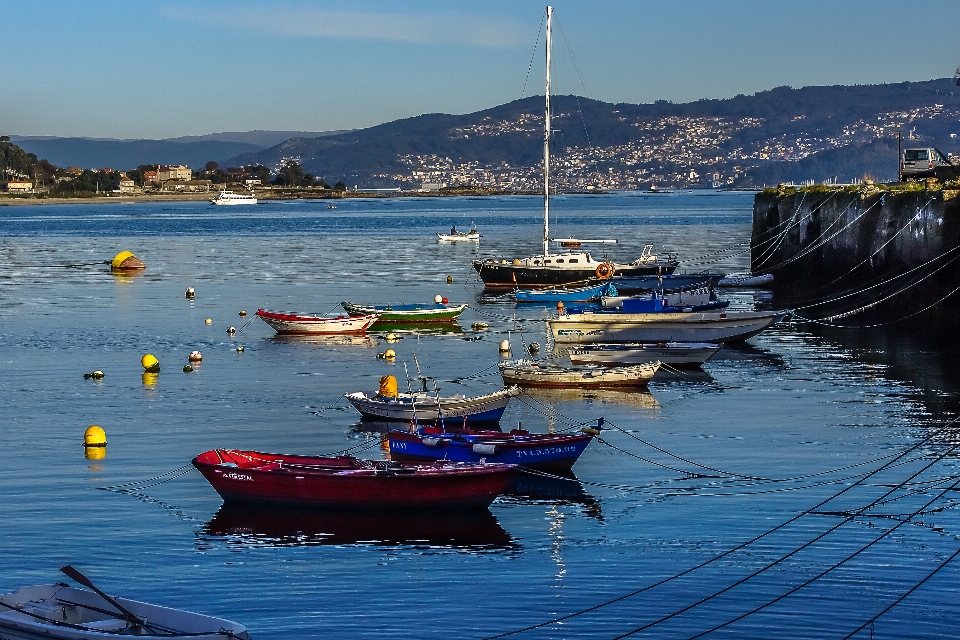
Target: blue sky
x,y
172,68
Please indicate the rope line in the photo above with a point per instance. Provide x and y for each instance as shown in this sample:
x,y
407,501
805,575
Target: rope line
x,y
774,563
730,551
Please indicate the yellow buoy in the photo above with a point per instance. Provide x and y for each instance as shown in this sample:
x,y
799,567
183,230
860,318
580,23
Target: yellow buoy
x,y
449,279
125,260
239,348
389,354
208,321
150,363
95,453
391,337
94,436
243,312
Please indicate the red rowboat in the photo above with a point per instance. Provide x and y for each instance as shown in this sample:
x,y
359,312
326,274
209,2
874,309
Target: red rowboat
x,y
298,324
348,482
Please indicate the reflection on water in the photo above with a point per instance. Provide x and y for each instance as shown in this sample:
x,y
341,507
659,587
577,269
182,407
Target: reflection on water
x,y
257,526
435,328
559,487
328,340
640,398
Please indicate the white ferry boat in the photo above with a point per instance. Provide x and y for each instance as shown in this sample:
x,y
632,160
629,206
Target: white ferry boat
x,y
229,197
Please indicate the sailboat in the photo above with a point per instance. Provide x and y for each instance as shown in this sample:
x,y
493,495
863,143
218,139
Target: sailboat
x,y
562,269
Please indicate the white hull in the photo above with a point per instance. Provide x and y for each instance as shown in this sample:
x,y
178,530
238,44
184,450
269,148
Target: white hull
x,y
426,408
64,613
530,374
293,324
746,281
673,353
231,198
661,327
473,236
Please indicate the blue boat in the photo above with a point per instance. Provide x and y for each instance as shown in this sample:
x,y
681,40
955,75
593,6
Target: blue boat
x,y
581,294
547,451
666,282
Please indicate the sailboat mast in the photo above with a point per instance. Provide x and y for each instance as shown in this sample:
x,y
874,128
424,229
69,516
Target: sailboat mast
x,y
546,142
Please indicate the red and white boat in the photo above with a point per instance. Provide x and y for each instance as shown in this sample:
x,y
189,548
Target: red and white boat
x,y
350,483
292,324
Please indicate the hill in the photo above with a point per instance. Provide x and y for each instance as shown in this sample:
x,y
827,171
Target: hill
x,y
739,141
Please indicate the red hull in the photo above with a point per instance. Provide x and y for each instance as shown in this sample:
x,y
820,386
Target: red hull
x,y
346,482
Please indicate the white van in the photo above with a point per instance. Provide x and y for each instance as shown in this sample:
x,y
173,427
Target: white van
x,y
921,163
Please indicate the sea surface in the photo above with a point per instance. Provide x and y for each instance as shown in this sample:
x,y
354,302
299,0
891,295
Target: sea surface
x,y
697,467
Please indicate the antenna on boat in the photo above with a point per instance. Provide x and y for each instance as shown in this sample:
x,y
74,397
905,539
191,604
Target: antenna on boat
x,y
413,400
546,140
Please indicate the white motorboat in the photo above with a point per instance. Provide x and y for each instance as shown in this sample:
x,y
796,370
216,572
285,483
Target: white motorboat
x,y
722,326
529,373
60,612
230,198
292,324
676,354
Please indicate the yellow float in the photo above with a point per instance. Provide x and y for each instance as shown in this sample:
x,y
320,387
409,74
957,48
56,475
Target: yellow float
x,y
126,261
94,436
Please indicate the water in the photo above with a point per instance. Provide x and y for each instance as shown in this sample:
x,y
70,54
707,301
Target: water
x,y
792,403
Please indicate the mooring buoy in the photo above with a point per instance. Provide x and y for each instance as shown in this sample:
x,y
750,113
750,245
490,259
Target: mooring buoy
x,y
150,363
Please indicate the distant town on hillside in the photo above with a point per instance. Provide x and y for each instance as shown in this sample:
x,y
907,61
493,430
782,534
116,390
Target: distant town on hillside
x,y
837,133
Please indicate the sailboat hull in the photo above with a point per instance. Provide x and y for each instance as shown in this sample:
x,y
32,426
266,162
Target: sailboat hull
x,y
498,274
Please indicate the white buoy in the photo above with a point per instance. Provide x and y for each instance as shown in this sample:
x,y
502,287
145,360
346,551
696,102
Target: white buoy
x,y
231,330
239,348
438,298
190,292
504,346
195,356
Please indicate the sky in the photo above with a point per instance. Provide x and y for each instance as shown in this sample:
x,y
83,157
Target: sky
x,y
174,68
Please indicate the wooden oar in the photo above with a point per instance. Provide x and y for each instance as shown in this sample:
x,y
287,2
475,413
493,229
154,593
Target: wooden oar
x,y
82,579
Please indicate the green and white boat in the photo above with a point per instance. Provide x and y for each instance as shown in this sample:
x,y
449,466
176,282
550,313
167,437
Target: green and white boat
x,y
426,312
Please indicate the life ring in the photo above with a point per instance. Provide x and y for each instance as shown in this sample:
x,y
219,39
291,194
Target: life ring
x,y
605,270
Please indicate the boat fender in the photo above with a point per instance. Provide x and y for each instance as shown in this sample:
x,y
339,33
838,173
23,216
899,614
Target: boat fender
x,y
589,431
485,449
435,442
388,387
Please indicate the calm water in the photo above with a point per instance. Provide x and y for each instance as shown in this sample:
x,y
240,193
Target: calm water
x,y
790,404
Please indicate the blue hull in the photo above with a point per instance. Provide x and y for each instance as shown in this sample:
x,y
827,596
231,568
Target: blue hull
x,y
555,453
584,294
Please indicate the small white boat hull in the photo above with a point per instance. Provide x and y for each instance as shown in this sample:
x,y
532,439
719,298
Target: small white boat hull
x,y
525,373
677,354
292,324
734,326
59,612
473,236
746,281
479,409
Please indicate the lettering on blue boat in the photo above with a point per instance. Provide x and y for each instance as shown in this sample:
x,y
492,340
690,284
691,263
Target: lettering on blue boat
x,y
547,451
397,445
237,476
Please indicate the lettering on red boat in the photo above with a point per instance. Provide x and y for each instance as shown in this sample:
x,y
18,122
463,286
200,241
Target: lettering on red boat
x,y
238,476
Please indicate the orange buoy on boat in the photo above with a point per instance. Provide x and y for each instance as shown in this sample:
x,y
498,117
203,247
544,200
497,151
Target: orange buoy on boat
x,y
126,261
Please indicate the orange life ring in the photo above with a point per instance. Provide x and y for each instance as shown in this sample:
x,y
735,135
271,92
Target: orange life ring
x,y
605,270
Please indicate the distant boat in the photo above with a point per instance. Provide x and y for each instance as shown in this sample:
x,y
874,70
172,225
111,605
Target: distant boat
x,y
551,451
579,294
459,236
230,198
302,324
57,611
526,373
425,312
676,354
348,482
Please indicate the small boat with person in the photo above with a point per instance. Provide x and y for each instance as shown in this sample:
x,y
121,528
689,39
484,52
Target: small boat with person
x,y
529,373
230,198
418,313
291,324
546,451
61,612
426,407
675,354
346,482
459,236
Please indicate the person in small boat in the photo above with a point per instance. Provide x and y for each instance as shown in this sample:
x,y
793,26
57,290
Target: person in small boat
x,y
453,230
